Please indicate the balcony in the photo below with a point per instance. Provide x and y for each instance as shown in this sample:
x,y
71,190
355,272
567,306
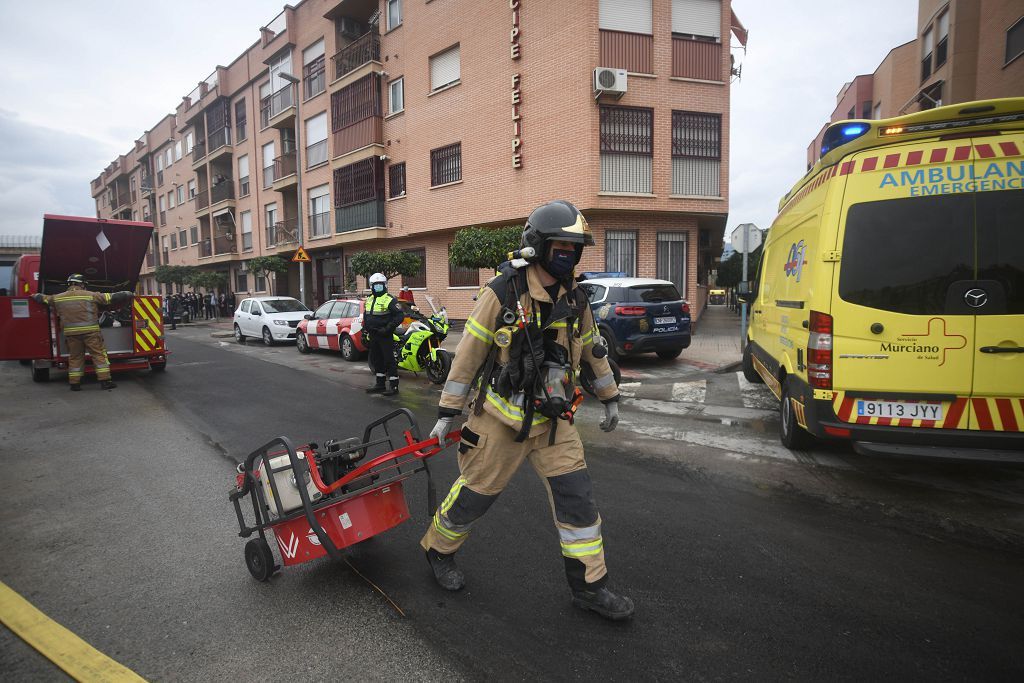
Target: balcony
x,y
219,143
202,200
355,60
146,185
367,134
285,176
697,59
198,153
223,191
225,244
369,214
283,232
278,110
120,199
320,225
205,248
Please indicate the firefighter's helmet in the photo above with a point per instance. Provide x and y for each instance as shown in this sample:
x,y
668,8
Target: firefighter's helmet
x,y
76,279
557,221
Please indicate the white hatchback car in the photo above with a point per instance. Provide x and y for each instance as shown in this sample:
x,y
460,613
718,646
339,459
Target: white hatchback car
x,y
273,318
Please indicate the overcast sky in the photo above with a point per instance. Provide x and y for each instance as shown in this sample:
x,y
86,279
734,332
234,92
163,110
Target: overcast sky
x,y
65,117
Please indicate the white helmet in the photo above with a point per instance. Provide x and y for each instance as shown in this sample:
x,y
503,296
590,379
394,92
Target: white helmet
x,y
378,277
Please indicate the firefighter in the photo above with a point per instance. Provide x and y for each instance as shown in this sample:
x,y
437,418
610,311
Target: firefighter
x,y
380,320
516,366
79,319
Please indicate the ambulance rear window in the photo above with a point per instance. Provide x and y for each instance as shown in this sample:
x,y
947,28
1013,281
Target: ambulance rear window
x,y
902,255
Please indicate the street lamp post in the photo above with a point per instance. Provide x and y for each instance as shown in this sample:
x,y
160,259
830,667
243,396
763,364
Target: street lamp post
x,y
294,80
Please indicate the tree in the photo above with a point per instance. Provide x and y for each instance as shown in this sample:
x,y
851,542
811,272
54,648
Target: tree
x,y
177,275
390,263
208,279
484,247
730,271
262,265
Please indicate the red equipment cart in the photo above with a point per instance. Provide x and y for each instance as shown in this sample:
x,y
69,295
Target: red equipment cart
x,y
342,493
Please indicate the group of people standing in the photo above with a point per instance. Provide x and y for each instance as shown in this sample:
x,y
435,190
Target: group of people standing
x,y
209,306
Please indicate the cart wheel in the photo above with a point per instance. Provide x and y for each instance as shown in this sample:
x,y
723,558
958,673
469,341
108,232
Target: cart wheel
x,y
259,559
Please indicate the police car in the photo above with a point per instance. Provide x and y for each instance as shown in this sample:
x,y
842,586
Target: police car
x,y
639,315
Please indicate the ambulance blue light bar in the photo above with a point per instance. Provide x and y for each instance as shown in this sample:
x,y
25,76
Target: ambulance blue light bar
x,y
842,133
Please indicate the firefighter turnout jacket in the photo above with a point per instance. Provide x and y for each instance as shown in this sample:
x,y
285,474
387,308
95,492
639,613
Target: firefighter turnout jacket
x,y
382,316
572,332
78,308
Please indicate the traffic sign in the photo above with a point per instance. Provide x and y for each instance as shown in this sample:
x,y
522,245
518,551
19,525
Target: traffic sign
x,y
753,235
300,256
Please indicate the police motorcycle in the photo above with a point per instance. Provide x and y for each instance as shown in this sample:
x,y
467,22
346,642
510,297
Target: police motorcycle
x,y
418,349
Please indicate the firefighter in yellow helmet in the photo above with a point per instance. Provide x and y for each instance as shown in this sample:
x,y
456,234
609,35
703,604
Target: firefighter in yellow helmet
x,y
516,365
78,310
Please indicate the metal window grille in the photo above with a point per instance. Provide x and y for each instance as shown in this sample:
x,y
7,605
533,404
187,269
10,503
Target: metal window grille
x,y
396,180
696,153
314,77
459,276
620,252
627,130
446,164
671,259
419,280
356,102
359,182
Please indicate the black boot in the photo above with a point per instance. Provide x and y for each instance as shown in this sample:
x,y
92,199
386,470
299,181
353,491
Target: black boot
x,y
447,574
107,384
392,387
604,602
76,387
377,388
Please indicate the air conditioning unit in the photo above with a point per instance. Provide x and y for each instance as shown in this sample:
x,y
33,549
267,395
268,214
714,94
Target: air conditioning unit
x,y
609,81
350,28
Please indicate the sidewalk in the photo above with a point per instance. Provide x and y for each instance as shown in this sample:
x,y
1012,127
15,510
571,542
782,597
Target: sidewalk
x,y
715,344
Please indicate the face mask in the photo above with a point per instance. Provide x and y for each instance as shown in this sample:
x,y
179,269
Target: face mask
x,y
561,263
378,288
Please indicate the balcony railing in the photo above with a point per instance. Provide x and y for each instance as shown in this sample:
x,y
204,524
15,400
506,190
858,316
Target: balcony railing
x,y
697,59
272,105
358,216
219,139
225,244
320,224
222,191
357,53
205,247
120,199
198,150
629,51
268,176
366,132
316,154
146,185
282,232
284,165
202,200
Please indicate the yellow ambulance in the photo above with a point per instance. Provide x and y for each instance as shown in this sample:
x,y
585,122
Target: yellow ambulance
x,y
889,305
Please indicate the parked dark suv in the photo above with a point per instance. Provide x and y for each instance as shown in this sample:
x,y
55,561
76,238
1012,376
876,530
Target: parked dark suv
x,y
639,315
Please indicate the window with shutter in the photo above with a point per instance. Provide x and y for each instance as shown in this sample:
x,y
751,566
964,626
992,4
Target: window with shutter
x,y
630,16
626,147
701,18
696,153
445,68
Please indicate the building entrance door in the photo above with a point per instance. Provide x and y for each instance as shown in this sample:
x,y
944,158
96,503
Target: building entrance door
x,y
328,282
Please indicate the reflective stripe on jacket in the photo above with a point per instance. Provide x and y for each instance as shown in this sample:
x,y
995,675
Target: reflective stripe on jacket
x,y
78,309
478,339
382,313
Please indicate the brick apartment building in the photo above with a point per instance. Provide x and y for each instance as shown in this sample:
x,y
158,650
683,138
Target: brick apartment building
x,y
965,50
407,120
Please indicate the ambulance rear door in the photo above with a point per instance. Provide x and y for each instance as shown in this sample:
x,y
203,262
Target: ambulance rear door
x,y
903,355
997,296
24,329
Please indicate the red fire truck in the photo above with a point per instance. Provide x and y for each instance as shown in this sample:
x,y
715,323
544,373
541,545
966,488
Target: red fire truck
x,y
109,254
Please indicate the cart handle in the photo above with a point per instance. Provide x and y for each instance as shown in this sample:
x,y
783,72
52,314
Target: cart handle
x,y
412,448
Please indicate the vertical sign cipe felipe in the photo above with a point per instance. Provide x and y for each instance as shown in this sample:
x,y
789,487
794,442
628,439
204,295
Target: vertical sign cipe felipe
x,y
517,120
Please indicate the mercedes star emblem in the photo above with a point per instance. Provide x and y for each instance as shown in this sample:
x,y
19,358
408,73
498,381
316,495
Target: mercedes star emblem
x,y
976,298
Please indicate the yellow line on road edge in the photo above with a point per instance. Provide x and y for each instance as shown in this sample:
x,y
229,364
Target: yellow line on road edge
x,y
77,658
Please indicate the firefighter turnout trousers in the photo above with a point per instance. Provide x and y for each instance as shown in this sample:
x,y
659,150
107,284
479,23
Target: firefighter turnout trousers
x,y
488,457
78,344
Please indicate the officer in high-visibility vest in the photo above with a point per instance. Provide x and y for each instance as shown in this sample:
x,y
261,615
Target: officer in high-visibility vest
x,y
380,320
79,320
517,366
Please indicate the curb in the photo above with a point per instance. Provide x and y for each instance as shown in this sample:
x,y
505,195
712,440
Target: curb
x,y
731,367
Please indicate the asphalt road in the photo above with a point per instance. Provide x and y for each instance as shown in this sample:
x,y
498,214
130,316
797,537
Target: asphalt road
x,y
116,524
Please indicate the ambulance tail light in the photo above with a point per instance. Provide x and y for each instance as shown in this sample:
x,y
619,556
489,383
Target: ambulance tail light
x,y
819,351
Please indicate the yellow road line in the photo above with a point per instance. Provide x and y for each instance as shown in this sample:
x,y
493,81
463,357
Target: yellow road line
x,y
76,657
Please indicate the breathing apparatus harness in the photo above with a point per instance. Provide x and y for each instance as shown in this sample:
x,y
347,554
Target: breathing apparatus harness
x,y
538,366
